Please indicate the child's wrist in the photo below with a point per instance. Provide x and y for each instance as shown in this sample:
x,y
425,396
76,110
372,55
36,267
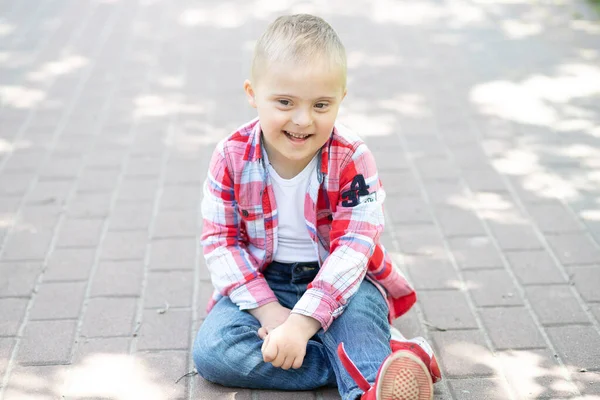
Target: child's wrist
x,y
304,324
261,312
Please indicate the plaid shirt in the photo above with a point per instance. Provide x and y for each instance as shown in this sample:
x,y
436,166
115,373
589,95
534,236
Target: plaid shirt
x,y
343,213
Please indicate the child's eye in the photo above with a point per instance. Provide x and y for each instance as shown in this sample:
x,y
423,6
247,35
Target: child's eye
x,y
321,105
284,102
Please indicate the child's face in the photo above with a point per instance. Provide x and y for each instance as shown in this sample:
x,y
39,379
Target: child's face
x,y
297,107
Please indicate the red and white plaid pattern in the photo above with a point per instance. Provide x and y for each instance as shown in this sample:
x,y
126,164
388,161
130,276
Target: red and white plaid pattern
x,y
240,221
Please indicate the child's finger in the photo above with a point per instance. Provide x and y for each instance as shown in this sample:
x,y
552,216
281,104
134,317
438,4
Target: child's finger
x,y
287,363
269,351
262,332
298,362
279,360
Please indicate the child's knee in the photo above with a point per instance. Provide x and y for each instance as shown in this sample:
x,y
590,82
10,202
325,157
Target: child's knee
x,y
228,356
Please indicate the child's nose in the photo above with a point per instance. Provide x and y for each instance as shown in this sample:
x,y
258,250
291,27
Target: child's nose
x,y
302,118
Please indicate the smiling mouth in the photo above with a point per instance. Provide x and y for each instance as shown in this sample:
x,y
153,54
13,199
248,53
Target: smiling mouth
x,y
297,136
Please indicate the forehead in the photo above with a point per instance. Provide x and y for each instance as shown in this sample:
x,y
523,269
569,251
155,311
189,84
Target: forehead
x,y
304,80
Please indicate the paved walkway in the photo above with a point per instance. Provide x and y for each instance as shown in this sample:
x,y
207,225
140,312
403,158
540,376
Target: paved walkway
x,y
485,119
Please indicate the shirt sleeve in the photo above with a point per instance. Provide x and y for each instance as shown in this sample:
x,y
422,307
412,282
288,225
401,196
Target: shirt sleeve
x,y
233,271
357,224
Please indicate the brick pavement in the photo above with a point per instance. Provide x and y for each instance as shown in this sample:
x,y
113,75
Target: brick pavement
x,y
484,117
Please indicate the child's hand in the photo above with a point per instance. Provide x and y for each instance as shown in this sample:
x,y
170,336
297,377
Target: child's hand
x,y
285,346
270,316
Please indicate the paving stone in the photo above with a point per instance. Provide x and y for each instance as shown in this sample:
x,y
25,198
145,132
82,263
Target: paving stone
x,y
409,210
492,288
167,367
573,249
447,309
18,279
463,354
437,168
35,350
512,328
554,218
27,245
515,236
128,245
6,347
329,394
69,264
170,253
534,267
58,301
137,189
486,388
168,331
24,161
144,166
89,204
118,278
277,395
484,180
80,233
131,216
12,312
555,305
36,382
50,192
430,273
459,222
91,347
475,252
585,280
447,193
109,317
173,288
569,341
171,224
59,167
534,374
399,182
205,390
205,291
183,172
15,183
420,239
98,180
181,197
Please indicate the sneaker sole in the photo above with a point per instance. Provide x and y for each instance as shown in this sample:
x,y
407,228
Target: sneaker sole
x,y
404,377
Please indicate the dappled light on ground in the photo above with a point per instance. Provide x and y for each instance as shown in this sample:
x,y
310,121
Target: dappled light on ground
x,y
21,97
51,70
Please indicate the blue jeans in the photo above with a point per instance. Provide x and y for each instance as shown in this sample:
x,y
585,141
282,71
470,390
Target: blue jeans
x,y
227,349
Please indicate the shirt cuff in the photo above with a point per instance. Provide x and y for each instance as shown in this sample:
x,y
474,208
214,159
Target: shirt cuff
x,y
252,294
320,306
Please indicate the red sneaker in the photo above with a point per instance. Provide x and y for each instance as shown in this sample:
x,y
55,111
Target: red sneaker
x,y
422,349
402,376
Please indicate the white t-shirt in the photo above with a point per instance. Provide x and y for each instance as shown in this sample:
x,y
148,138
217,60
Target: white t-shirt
x,y
293,241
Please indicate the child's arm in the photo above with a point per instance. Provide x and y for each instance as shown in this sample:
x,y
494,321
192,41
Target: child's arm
x,y
234,272
357,224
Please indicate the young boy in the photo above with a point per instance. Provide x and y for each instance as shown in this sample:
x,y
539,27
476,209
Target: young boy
x,y
292,213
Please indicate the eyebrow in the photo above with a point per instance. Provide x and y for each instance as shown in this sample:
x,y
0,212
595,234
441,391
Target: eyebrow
x,y
329,98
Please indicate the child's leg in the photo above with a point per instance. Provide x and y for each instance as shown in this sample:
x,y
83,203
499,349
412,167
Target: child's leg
x,y
365,331
227,351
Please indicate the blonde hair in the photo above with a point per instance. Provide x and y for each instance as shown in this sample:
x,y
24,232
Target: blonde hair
x,y
298,39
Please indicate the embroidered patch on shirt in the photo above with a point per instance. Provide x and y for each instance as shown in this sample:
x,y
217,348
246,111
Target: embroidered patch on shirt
x,y
370,198
358,193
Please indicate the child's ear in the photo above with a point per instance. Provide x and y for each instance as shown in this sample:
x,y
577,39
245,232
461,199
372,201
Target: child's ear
x,y
249,93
